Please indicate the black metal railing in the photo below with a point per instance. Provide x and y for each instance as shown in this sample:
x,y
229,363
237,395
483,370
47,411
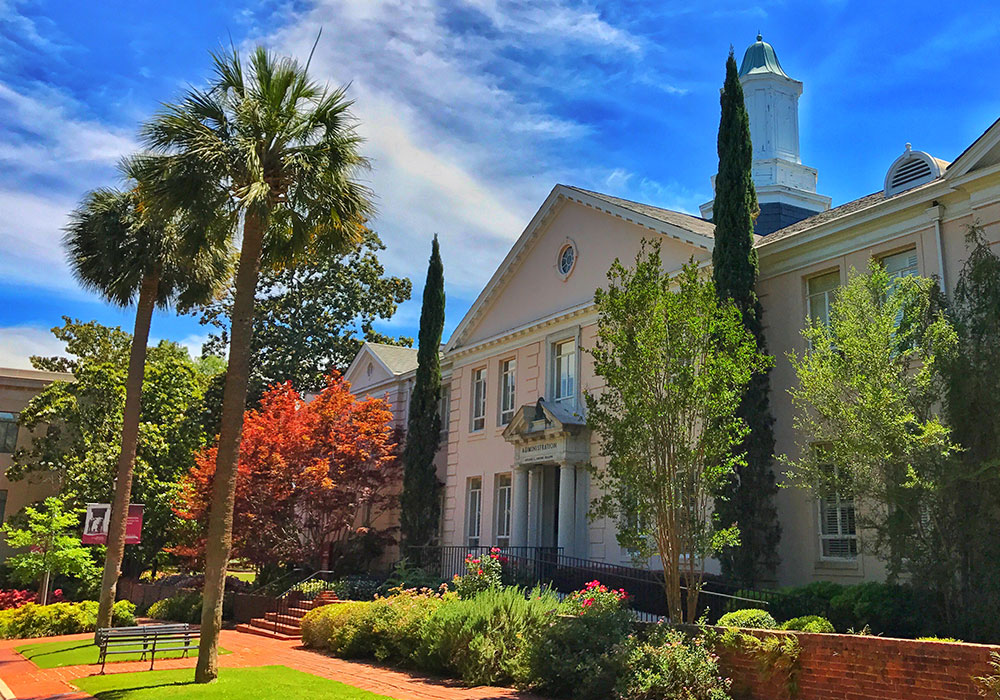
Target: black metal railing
x,y
548,566
282,618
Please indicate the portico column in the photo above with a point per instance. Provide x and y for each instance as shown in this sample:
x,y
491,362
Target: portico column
x,y
519,508
567,509
534,504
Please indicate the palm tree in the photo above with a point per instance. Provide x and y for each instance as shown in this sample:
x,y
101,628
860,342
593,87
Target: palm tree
x,y
117,250
267,153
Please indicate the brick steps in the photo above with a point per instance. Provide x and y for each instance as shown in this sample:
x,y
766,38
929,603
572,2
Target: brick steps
x,y
286,625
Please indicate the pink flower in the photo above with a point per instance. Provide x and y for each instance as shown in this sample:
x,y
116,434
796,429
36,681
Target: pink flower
x,y
588,602
480,572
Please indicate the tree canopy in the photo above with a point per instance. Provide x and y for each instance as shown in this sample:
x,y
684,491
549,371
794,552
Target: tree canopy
x,y
420,504
312,316
82,427
866,409
313,479
748,500
674,360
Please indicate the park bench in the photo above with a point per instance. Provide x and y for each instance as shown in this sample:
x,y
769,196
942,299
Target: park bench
x,y
145,639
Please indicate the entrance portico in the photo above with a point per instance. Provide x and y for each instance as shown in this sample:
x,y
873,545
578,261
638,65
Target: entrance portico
x,y
550,486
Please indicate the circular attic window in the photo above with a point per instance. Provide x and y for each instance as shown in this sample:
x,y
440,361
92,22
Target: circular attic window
x,y
567,259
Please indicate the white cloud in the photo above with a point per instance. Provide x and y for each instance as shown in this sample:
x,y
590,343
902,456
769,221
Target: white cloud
x,y
18,343
461,144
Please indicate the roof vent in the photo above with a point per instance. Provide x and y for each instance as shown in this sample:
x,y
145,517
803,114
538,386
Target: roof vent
x,y
911,169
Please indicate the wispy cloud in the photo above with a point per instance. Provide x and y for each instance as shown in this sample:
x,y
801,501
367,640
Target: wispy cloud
x,y
18,343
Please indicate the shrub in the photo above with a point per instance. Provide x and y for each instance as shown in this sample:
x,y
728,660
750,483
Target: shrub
x,y
668,665
183,607
344,629
14,598
481,574
485,640
811,599
750,618
573,655
887,609
406,575
356,588
809,623
123,614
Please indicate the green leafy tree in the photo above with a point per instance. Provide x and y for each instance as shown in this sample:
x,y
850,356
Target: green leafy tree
x,y
127,254
312,316
79,429
967,509
266,154
421,487
865,410
51,544
748,500
674,359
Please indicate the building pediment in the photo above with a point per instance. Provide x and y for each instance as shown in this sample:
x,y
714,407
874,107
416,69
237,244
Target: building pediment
x,y
547,432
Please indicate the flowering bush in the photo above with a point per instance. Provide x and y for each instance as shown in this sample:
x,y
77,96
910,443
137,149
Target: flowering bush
x,y
594,599
574,656
667,665
14,598
481,574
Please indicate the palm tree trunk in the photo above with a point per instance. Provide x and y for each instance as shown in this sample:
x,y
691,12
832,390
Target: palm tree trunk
x,y
126,457
234,398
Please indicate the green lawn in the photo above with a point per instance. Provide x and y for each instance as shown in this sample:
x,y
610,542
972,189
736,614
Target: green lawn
x,y
80,651
233,684
248,576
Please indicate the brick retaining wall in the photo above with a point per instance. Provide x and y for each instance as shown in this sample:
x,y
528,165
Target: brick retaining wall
x,y
244,606
852,667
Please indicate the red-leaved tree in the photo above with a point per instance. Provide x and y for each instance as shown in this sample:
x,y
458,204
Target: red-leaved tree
x,y
313,479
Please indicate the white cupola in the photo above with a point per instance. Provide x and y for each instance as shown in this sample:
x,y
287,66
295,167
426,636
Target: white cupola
x,y
786,189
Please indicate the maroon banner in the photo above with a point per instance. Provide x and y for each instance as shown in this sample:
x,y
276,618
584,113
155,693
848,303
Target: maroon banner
x,y
98,520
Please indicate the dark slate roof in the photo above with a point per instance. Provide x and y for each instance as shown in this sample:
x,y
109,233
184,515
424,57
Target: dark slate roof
x,y
694,224
823,217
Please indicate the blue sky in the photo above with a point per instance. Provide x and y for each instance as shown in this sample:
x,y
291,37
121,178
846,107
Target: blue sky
x,y
472,110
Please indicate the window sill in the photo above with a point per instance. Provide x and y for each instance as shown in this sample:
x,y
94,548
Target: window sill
x,y
851,565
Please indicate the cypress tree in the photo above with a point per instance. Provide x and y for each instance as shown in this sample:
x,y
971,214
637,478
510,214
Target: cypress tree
x,y
748,499
420,506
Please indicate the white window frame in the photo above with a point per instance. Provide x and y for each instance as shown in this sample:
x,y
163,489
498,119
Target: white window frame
x,y
502,493
842,534
574,372
444,408
911,268
478,417
473,510
508,390
826,296
8,432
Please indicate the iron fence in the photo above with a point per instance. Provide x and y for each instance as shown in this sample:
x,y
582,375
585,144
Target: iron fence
x,y
549,566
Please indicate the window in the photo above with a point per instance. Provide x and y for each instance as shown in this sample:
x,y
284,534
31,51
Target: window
x,y
819,296
444,408
564,370
502,510
473,510
508,379
370,369
3,504
567,258
8,431
837,534
479,399
901,264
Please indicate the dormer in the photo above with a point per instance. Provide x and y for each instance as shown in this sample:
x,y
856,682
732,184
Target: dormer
x,y
911,169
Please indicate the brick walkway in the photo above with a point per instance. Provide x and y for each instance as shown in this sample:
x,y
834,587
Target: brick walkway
x,y
26,682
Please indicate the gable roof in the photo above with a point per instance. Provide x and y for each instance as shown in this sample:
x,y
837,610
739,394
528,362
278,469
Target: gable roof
x,y
396,358
688,222
689,229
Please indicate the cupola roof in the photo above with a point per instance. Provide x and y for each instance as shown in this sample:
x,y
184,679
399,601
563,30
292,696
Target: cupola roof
x,y
760,58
